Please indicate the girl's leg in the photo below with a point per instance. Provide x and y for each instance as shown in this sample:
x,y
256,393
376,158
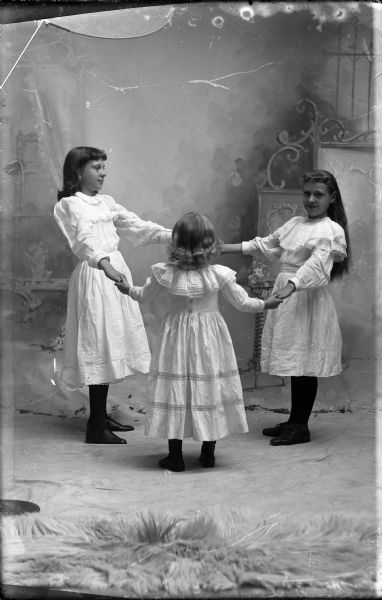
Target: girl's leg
x,y
295,384
96,431
207,454
174,461
304,391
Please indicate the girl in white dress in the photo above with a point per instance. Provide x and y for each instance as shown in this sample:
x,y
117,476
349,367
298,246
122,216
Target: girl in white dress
x,y
302,339
105,339
194,388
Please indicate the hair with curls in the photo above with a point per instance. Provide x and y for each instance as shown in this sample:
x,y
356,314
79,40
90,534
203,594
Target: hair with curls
x,y
193,242
74,161
336,212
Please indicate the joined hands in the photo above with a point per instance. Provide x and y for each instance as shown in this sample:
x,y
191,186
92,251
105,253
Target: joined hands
x,y
123,285
286,291
272,302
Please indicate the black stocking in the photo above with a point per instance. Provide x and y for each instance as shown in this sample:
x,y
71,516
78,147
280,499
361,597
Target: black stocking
x,y
304,391
97,401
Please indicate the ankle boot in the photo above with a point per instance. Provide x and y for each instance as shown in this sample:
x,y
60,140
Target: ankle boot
x,y
174,461
295,433
276,430
207,454
97,433
113,425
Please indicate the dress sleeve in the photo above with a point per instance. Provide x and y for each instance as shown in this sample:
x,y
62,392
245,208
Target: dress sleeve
x,y
78,230
315,272
132,228
146,293
238,297
267,246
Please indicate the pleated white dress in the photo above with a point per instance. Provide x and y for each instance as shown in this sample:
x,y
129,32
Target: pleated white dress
x,y
105,339
302,336
194,387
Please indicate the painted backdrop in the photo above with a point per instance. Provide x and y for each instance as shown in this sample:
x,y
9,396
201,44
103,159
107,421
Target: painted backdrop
x,y
189,116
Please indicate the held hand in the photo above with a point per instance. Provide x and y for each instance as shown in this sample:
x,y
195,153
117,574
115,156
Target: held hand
x,y
112,273
272,302
286,291
123,286
219,247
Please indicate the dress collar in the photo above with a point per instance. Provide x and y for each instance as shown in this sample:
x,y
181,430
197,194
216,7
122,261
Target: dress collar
x,y
316,220
192,283
89,199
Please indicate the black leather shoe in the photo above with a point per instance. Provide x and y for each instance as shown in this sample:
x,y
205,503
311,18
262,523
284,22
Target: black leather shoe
x,y
170,463
95,436
295,433
207,460
113,425
276,430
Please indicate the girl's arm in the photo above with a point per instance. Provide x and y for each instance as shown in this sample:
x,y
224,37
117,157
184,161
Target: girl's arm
x,y
230,248
137,231
78,230
108,269
268,246
238,297
314,273
142,294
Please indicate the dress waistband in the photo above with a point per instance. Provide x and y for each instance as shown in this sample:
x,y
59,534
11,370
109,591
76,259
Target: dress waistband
x,y
288,268
185,304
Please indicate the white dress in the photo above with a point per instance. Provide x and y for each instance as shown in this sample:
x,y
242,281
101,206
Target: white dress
x,y
105,339
302,336
194,388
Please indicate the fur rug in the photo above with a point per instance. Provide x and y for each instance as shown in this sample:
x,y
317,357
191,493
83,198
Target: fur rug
x,y
154,555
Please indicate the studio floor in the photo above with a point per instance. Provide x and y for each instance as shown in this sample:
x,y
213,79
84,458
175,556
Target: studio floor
x,y
336,471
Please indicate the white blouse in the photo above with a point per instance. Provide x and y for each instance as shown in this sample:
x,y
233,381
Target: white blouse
x,y
306,247
93,225
198,284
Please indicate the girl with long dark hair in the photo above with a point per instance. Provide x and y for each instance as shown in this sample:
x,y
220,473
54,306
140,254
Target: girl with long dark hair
x,y
302,338
105,339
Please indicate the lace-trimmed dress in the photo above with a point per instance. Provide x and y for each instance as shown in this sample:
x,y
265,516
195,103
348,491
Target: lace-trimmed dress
x,y
194,388
302,336
105,339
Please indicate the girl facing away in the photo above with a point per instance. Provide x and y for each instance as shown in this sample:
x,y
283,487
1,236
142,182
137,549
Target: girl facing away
x,y
105,339
302,338
194,388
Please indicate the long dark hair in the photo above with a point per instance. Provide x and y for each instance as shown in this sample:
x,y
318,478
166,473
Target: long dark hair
x,y
336,212
193,242
74,161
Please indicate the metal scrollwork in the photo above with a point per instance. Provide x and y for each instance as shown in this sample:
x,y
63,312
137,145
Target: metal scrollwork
x,y
301,107
292,154
329,124
294,147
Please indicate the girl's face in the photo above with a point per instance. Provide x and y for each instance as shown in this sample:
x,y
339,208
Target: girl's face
x,y
317,199
91,177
